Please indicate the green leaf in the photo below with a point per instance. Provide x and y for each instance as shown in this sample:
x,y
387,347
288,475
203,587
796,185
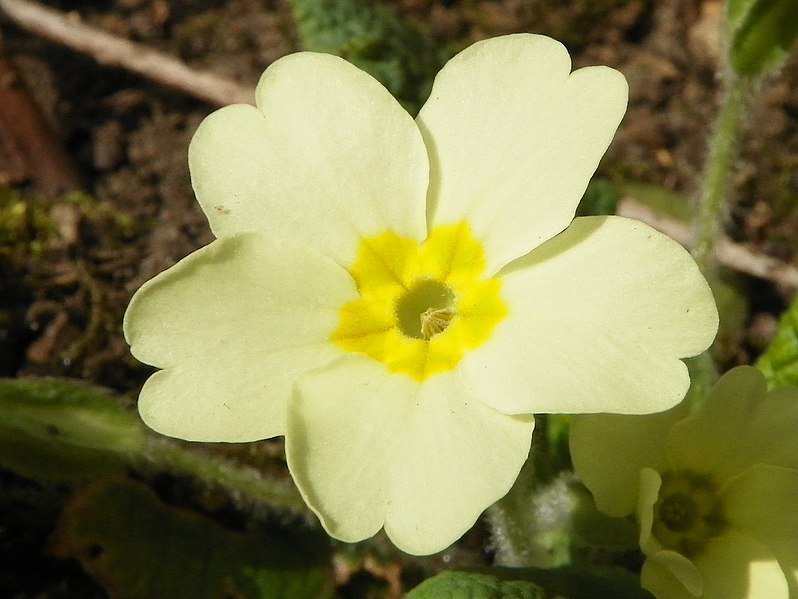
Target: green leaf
x,y
732,300
779,361
139,548
533,583
600,198
65,430
374,39
597,530
572,582
761,34
465,585
658,198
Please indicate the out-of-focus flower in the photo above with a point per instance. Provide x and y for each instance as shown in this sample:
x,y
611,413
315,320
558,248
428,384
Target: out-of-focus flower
x,y
398,297
715,492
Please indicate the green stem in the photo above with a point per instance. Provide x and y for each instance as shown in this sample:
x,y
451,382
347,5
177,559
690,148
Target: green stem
x,y
722,152
511,520
245,483
703,376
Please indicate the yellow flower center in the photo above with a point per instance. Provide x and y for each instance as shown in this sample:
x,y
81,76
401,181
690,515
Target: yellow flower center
x,y
688,512
421,306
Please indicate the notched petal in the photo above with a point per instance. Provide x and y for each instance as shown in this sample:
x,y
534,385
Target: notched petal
x,y
369,449
233,325
514,138
611,299
609,450
740,424
328,157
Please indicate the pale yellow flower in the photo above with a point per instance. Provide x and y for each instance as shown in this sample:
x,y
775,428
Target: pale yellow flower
x,y
715,492
397,297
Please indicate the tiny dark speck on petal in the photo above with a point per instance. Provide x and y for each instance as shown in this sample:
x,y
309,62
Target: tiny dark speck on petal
x,y
221,209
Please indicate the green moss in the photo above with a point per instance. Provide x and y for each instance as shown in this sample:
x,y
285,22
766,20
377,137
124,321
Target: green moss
x,y
22,225
42,258
29,230
119,225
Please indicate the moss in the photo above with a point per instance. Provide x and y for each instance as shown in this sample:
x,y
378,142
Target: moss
x,y
59,272
29,230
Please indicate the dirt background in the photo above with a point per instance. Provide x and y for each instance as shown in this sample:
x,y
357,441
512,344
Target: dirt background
x,y
69,264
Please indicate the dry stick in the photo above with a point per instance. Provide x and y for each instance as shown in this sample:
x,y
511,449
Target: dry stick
x,y
113,51
107,49
729,254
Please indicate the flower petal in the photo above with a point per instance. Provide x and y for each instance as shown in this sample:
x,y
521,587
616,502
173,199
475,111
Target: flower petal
x,y
233,325
738,425
599,317
328,158
513,140
669,575
732,566
761,503
650,485
735,566
597,441
368,449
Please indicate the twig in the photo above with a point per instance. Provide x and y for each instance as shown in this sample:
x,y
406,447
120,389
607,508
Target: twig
x,y
729,254
113,51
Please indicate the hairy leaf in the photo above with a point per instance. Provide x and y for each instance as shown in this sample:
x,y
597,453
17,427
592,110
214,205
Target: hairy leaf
x,y
761,34
65,430
139,548
779,362
533,583
465,585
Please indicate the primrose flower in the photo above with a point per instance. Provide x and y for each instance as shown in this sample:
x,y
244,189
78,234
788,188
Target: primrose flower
x,y
715,492
398,296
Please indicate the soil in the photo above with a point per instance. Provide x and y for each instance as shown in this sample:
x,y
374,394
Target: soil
x,y
69,268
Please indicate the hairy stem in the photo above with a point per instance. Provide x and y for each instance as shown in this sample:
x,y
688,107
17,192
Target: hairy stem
x,y
722,152
509,519
245,484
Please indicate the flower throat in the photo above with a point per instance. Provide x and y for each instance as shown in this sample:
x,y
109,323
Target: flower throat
x,y
421,306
